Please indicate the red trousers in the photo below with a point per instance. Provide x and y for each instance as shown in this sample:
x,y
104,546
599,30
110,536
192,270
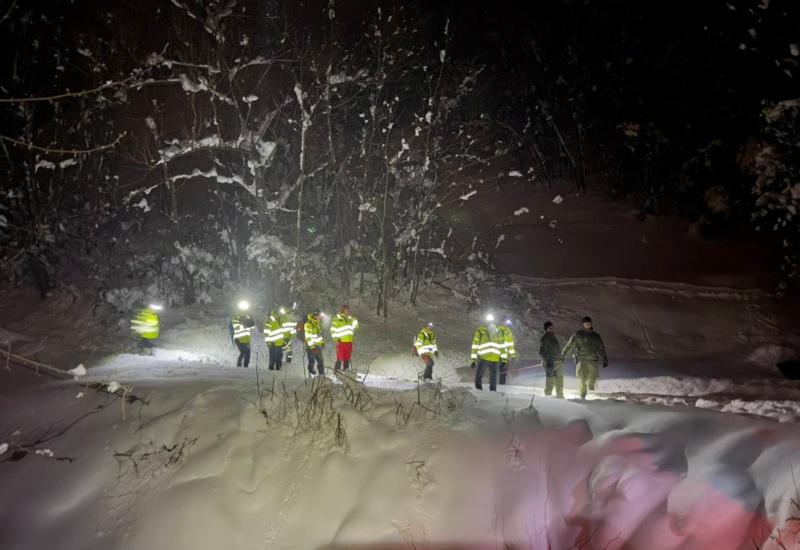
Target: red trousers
x,y
344,351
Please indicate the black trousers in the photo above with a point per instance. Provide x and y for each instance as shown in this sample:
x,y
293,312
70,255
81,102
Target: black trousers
x,y
482,366
244,355
146,346
503,370
428,373
275,357
315,357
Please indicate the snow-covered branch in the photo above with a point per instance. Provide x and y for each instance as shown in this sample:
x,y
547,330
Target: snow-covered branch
x,y
63,151
67,95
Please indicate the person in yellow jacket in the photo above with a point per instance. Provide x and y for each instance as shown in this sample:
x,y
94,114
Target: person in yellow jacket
x,y
275,338
488,351
241,326
289,323
511,351
425,347
343,330
312,330
146,326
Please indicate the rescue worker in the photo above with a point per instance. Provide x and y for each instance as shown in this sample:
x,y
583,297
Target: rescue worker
x,y
550,352
488,350
314,342
587,346
241,325
343,330
275,338
289,323
425,347
146,326
511,351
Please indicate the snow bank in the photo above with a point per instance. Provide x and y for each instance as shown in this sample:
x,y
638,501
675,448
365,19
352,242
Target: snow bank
x,y
335,464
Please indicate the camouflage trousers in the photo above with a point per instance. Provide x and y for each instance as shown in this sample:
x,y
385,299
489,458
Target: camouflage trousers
x,y
554,378
587,374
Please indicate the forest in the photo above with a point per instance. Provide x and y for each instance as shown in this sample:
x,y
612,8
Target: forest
x,y
311,149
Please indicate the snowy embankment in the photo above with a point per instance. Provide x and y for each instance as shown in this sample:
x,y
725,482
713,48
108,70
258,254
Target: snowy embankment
x,y
219,458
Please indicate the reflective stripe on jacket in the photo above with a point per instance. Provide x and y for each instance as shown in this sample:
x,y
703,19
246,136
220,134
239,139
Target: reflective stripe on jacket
x,y
313,332
241,328
484,346
146,324
426,342
508,338
274,333
289,325
343,328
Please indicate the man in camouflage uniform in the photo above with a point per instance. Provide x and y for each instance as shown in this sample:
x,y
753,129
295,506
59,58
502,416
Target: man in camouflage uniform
x,y
550,352
587,346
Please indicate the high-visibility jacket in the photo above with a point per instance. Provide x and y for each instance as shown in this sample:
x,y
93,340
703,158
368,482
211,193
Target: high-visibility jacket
x,y
289,325
508,337
242,324
487,347
343,328
425,344
313,332
274,332
146,324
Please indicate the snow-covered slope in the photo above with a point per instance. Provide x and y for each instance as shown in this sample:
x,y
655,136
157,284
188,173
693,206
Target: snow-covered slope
x,y
210,463
244,458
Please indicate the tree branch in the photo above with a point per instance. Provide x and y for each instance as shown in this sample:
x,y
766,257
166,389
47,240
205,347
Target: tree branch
x,y
65,95
52,151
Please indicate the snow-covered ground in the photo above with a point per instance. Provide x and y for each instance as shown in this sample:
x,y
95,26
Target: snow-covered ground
x,y
245,458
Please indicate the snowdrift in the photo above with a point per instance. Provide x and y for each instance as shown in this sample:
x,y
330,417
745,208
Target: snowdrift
x,y
284,462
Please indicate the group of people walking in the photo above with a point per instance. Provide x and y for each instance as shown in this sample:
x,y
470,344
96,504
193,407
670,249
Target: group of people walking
x,y
585,345
493,346
280,329
493,349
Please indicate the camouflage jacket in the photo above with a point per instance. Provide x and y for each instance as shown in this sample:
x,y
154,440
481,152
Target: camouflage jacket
x,y
586,345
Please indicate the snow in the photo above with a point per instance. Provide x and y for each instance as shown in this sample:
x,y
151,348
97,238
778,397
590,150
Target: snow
x,y
468,196
521,211
78,371
468,469
143,204
215,175
515,174
44,165
692,458
558,199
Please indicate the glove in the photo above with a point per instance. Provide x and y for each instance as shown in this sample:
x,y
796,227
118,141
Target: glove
x,y
472,365
605,364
